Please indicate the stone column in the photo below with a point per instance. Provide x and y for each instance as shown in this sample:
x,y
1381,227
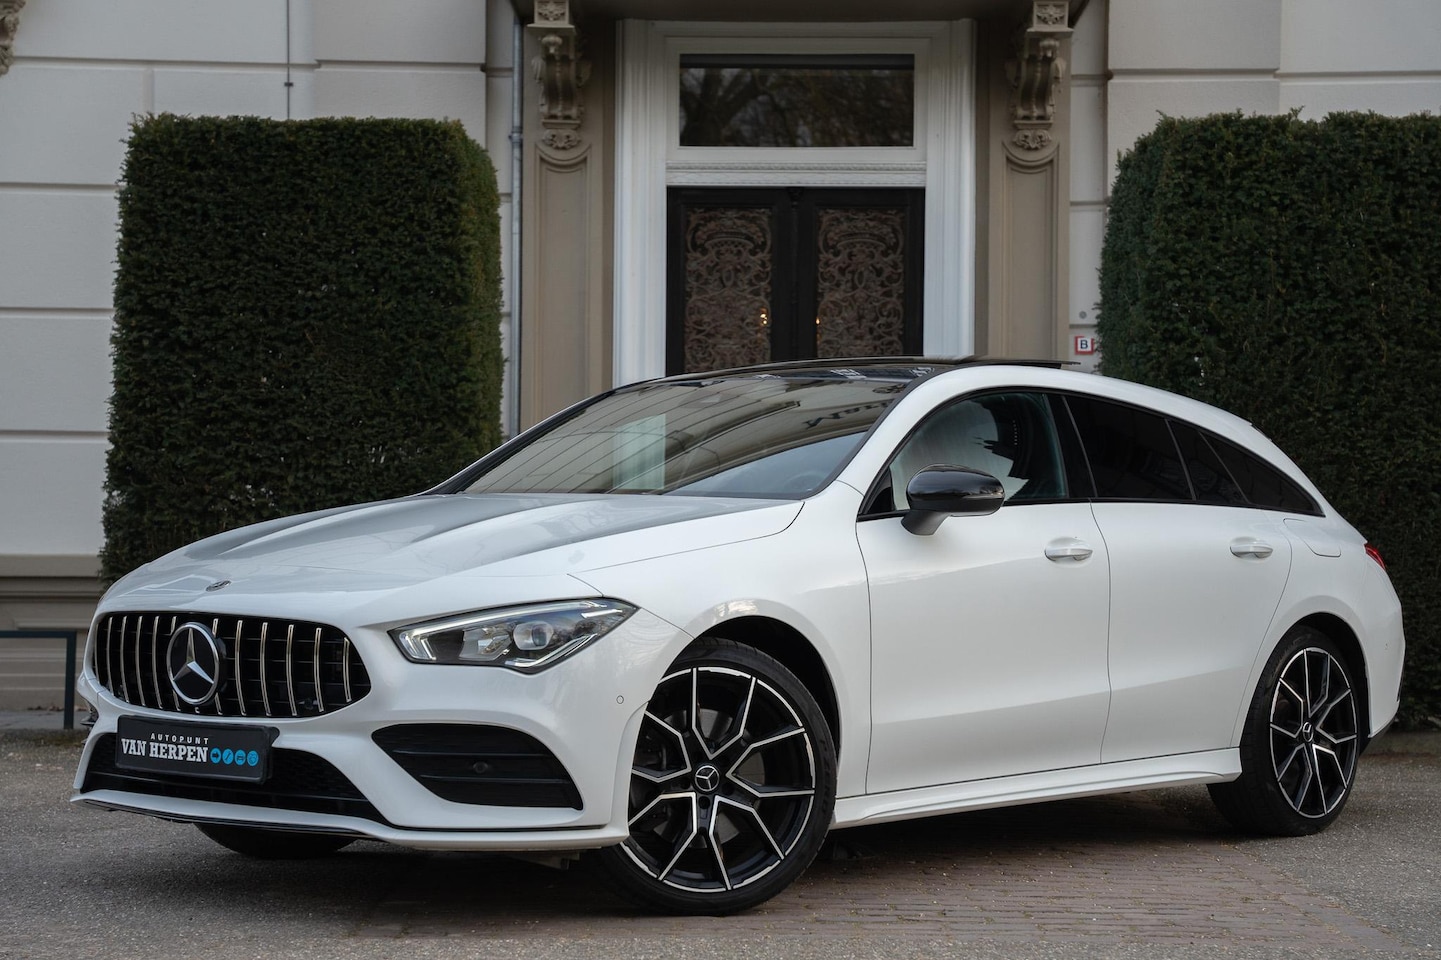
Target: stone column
x,y
565,340
1029,192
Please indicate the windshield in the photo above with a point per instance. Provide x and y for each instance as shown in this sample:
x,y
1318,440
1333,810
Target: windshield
x,y
760,436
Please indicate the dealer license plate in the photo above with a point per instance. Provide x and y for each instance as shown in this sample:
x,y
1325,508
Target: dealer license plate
x,y
193,749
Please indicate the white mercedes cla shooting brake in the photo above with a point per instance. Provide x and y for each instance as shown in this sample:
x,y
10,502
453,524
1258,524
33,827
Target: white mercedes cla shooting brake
x,y
691,625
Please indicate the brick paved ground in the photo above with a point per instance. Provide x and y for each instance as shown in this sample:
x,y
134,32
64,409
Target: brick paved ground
x,y
1137,875
1120,869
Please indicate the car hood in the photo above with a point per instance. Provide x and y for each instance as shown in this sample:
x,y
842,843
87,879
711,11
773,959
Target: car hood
x,y
420,540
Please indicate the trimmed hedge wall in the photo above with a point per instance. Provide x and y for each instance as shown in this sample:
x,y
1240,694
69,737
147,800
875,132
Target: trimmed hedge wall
x,y
1288,271
306,315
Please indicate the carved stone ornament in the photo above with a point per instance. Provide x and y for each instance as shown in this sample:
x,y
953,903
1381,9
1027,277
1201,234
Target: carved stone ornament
x,y
1032,139
552,11
9,24
561,139
561,72
1035,72
1050,14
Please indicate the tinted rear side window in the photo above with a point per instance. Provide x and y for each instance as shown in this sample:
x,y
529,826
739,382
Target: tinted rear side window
x,y
1210,479
1131,451
1262,484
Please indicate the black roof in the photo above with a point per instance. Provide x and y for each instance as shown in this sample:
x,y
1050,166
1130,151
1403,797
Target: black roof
x,y
867,368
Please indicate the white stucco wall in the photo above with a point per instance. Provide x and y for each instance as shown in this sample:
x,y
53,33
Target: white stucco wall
x,y
1133,60
83,69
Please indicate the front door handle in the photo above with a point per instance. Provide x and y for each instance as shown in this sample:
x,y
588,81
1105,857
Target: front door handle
x,y
1068,548
1251,547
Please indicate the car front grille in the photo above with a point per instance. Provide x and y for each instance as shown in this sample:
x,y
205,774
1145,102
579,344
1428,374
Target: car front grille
x,y
269,668
297,781
474,763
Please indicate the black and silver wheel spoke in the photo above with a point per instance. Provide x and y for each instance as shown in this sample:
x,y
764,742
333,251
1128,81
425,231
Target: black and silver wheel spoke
x,y
1313,727
723,783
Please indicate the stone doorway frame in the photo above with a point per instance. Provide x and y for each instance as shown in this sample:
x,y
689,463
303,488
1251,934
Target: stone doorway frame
x,y
943,162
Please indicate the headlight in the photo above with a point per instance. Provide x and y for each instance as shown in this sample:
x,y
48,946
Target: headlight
x,y
527,638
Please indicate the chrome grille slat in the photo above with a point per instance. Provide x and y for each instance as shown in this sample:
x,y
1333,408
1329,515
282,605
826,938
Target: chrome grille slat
x,y
290,668
155,659
109,628
174,697
319,698
124,687
239,673
334,660
215,632
345,669
139,677
264,687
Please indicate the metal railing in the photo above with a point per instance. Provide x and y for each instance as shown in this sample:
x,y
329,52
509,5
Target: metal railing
x,y
72,644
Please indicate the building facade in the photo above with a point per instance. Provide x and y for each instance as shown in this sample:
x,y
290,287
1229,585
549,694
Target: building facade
x,y
685,183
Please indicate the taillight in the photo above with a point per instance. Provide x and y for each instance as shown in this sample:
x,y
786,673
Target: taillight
x,y
1375,554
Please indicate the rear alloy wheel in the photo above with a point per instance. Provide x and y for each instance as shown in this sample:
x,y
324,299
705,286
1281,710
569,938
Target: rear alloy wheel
x,y
1301,743
274,844
732,786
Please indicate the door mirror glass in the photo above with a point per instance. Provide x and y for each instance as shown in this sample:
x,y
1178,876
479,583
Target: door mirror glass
x,y
941,491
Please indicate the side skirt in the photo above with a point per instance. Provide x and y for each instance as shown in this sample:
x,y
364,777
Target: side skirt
x,y
1210,766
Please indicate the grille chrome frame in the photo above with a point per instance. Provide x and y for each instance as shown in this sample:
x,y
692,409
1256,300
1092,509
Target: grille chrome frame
x,y
266,671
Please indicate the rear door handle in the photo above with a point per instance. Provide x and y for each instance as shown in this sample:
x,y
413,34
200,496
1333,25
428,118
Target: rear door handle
x,y
1251,547
1068,548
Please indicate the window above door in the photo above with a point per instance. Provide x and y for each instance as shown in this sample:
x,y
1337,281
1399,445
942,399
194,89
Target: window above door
x,y
813,104
797,100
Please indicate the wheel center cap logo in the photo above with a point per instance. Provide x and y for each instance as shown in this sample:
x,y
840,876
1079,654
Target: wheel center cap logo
x,y
193,661
707,778
1308,731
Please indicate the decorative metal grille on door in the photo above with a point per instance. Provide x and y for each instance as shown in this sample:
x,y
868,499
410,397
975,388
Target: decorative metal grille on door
x,y
789,273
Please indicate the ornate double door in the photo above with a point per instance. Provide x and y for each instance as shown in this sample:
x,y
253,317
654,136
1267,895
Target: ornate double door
x,y
755,275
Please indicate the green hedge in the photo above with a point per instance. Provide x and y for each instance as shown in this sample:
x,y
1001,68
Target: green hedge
x,y
306,315
1290,272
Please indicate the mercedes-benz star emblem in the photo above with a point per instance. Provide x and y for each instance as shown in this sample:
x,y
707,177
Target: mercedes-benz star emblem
x,y
707,778
193,660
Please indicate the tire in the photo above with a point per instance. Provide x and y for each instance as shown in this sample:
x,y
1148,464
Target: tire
x,y
274,844
1300,744
732,788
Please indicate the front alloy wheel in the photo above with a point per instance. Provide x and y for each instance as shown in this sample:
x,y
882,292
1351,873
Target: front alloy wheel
x,y
732,785
1301,743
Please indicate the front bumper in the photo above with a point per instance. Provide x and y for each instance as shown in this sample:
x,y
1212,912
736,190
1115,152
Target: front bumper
x,y
586,711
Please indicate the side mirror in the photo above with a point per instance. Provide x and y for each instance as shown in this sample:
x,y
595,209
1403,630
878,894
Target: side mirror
x,y
940,491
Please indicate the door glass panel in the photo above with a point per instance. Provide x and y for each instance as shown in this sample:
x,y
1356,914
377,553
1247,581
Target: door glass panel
x,y
797,101
860,282
727,287
1132,454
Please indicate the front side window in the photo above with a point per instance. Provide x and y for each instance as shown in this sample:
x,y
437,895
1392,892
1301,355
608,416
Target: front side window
x,y
1011,436
760,436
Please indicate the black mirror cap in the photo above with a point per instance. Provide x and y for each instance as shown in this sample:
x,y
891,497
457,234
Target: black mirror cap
x,y
941,491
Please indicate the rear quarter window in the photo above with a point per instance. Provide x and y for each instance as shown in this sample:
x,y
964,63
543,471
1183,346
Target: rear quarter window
x,y
1262,484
